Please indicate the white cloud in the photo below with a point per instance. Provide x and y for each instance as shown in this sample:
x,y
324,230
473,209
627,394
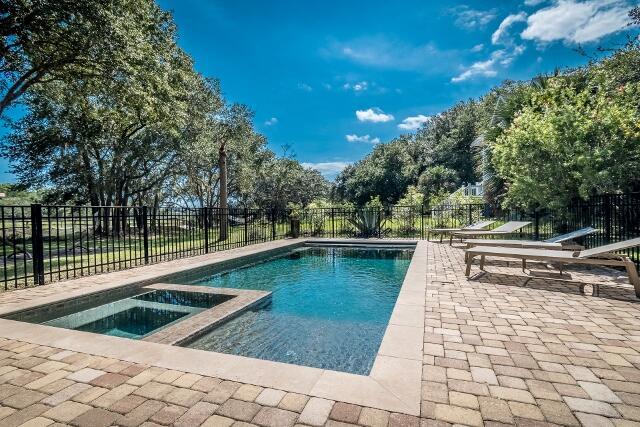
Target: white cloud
x,y
499,35
477,48
374,115
305,87
471,18
364,138
382,52
272,121
328,169
413,122
487,68
533,2
577,22
356,87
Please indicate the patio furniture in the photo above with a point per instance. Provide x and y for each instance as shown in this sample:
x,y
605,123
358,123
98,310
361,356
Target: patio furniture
x,y
601,256
560,242
475,226
506,228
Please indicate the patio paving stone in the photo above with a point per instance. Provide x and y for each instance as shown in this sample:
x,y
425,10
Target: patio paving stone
x,y
500,348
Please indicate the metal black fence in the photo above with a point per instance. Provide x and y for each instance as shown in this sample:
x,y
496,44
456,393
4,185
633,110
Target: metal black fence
x,y
41,244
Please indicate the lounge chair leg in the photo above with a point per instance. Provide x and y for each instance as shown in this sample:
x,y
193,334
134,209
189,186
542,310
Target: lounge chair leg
x,y
469,262
441,237
451,240
482,262
595,289
524,265
632,272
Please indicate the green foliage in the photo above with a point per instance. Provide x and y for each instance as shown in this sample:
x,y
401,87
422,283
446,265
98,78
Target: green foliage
x,y
295,210
52,40
438,180
412,197
578,135
16,195
284,180
386,172
374,203
369,223
440,151
122,118
316,215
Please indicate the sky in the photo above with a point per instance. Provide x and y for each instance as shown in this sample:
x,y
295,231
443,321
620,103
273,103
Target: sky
x,y
330,79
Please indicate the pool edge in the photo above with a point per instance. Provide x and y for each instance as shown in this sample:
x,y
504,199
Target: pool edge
x,y
394,382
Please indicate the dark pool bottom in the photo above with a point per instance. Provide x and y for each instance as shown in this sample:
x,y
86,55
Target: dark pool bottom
x,y
329,309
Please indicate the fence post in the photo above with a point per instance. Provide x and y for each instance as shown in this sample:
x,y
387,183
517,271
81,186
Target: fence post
x,y
205,226
470,214
273,224
37,244
145,233
246,231
379,223
536,224
422,222
333,222
607,217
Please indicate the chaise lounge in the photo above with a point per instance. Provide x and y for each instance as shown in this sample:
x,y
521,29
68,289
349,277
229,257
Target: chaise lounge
x,y
475,226
601,256
506,228
560,242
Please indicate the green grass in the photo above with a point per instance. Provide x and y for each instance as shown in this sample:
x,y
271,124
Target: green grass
x,y
112,254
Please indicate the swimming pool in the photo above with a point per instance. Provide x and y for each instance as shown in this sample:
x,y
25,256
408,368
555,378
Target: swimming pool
x,y
142,313
329,307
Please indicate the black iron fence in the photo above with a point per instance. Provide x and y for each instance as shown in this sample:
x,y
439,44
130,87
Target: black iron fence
x,y
41,244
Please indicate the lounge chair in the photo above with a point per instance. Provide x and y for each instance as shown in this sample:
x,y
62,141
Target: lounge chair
x,y
475,226
601,256
506,228
561,242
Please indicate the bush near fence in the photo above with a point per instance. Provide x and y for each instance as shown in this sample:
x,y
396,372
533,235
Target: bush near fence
x,y
42,244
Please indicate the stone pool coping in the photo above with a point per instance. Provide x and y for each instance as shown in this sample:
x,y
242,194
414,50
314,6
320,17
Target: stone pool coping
x,y
394,383
183,331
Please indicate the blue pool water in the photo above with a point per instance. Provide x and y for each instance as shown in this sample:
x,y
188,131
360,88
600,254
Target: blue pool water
x,y
139,315
329,308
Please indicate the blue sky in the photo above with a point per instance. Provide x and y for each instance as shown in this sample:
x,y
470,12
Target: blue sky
x,y
333,78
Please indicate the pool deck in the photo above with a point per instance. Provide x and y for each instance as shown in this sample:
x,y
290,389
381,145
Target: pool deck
x,y
499,348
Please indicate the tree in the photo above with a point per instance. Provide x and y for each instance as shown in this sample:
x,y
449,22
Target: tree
x,y
579,136
386,172
233,124
109,140
634,14
447,137
438,179
46,41
284,180
444,143
16,195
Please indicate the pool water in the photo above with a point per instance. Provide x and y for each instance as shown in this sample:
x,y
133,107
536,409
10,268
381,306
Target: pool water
x,y
134,322
329,308
139,315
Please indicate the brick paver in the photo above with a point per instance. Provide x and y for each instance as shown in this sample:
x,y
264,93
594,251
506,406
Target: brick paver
x,y
503,347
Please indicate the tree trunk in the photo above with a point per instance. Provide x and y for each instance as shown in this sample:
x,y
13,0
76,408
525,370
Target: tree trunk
x,y
224,207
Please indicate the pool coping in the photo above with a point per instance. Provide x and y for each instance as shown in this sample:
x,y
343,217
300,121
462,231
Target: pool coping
x,y
394,383
195,326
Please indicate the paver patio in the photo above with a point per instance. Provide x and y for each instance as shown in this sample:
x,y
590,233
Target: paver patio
x,y
500,348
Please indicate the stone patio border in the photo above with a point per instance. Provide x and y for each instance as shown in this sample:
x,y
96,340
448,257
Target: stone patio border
x,y
394,383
